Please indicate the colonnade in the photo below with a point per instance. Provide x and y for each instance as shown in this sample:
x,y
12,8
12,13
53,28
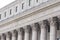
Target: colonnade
x,y
36,31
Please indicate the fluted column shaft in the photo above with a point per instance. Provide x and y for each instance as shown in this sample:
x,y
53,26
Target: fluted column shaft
x,y
26,36
34,35
0,37
35,29
14,35
9,36
21,34
43,31
53,29
28,33
3,37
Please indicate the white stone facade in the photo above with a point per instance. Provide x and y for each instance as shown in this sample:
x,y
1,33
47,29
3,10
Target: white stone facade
x,y
30,20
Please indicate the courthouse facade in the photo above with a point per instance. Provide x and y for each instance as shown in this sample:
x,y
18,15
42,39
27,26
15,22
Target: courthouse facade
x,y
30,20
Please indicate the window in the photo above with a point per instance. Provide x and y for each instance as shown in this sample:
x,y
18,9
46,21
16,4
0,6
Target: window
x,y
0,16
22,5
10,11
16,8
5,14
29,2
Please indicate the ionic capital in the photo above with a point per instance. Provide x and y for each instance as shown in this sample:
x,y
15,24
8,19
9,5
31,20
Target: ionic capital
x,y
36,26
9,34
53,21
14,32
21,31
28,29
3,36
44,24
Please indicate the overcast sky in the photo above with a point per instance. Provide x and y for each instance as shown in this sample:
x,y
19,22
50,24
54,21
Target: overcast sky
x,y
5,2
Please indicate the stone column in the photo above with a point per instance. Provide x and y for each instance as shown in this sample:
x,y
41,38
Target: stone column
x,y
27,33
9,36
14,35
0,37
3,37
53,28
35,29
21,34
43,30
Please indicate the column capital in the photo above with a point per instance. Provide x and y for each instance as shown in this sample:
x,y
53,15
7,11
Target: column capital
x,y
9,34
14,32
53,21
44,24
36,26
28,29
21,31
4,36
